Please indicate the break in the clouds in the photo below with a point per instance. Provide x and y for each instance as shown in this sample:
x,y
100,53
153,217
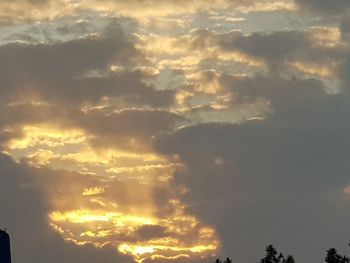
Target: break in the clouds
x,y
174,131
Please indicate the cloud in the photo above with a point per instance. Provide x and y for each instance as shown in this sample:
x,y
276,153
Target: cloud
x,y
129,129
98,105
285,50
48,67
148,232
258,181
78,71
71,84
328,7
24,213
33,10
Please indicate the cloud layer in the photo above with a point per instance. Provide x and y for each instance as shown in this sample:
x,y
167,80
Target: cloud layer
x,y
157,131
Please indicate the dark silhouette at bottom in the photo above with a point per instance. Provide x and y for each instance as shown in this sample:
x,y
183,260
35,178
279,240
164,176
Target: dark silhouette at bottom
x,y
5,251
272,256
334,257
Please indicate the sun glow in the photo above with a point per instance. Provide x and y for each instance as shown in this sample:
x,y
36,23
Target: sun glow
x,y
181,235
47,135
85,216
93,191
142,252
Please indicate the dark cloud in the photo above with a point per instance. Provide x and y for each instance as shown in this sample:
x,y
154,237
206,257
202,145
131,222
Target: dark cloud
x,y
46,67
12,117
130,129
48,83
127,129
24,213
277,48
274,46
148,232
329,7
62,72
258,182
273,180
288,97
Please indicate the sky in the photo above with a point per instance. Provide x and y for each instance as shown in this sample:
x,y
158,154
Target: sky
x,y
174,131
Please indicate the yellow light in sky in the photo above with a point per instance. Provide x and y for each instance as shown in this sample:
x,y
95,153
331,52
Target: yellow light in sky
x,y
169,251
47,135
325,71
93,191
84,216
115,204
79,217
101,227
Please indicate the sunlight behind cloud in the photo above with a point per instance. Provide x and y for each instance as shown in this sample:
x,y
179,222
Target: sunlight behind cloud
x,y
159,128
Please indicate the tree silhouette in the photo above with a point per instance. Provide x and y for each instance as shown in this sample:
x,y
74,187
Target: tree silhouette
x,y
228,260
334,257
272,256
289,259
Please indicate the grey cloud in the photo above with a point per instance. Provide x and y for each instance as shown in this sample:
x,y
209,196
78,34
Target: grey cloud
x,y
57,75
60,72
275,180
127,129
284,46
148,232
43,65
276,45
289,97
329,7
35,2
202,38
128,85
12,117
132,129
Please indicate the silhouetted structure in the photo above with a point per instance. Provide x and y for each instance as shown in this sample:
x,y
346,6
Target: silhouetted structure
x,y
334,257
228,260
272,256
5,251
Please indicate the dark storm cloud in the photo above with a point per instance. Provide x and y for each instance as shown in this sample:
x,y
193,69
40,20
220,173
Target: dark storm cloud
x,y
130,129
47,67
273,180
148,232
61,76
274,46
24,213
60,72
283,46
288,96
